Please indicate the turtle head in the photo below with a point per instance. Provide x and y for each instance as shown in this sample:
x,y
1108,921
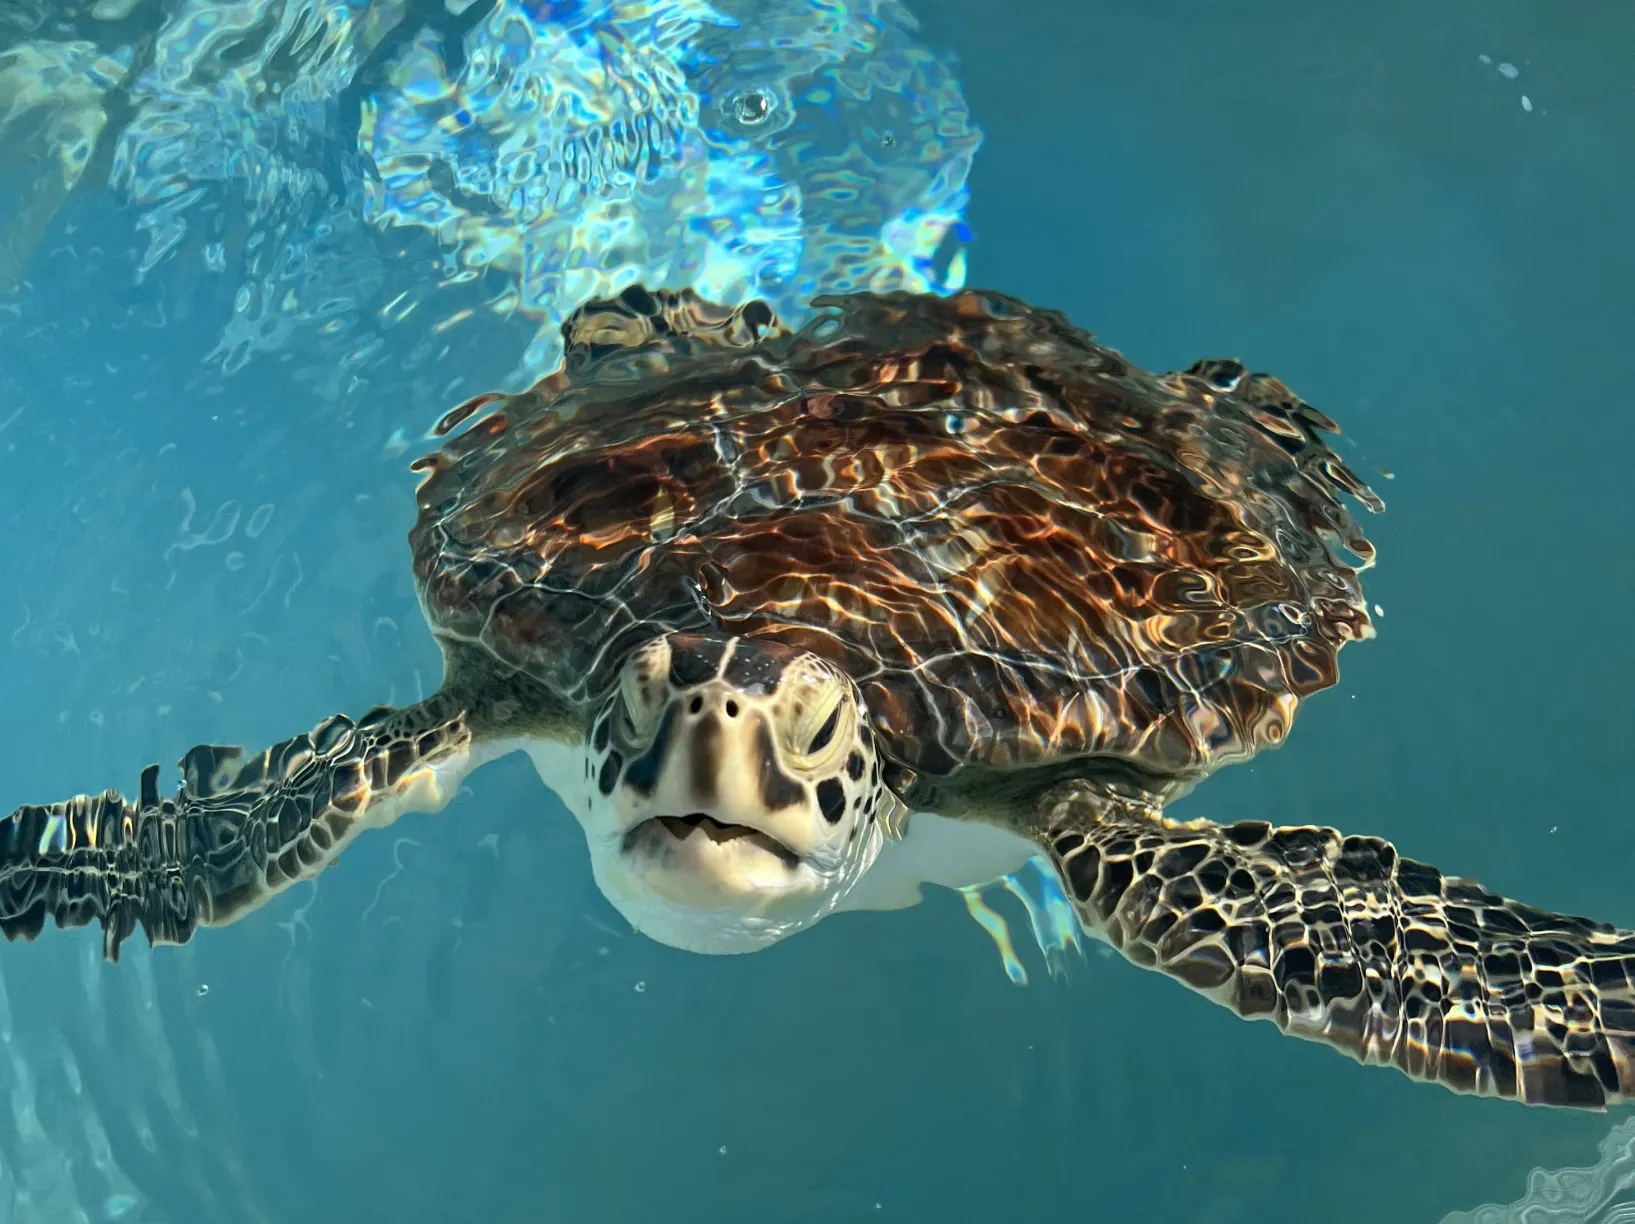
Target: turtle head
x,y
733,791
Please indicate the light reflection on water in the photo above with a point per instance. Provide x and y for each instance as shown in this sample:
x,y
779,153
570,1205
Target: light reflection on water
x,y
342,167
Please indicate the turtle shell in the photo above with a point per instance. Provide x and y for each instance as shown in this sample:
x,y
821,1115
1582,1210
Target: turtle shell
x,y
1021,547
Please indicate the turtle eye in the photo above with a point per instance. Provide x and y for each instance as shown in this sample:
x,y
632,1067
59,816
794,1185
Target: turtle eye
x,y
817,712
819,727
826,733
638,712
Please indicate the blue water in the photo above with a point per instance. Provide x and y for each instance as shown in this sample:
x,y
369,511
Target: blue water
x,y
1416,215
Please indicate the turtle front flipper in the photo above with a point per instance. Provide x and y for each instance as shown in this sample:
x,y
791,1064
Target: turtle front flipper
x,y
1341,940
239,830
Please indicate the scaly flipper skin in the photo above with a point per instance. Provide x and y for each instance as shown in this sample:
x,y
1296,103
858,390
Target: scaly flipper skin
x,y
1341,940
238,832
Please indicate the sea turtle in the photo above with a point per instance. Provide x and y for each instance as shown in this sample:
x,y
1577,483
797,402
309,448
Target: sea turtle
x,y
797,622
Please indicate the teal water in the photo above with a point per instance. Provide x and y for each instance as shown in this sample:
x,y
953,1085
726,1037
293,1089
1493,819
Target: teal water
x,y
1417,216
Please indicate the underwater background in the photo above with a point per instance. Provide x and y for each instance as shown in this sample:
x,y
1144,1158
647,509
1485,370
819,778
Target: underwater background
x,y
251,256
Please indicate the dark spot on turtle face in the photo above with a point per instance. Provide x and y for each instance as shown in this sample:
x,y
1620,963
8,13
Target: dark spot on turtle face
x,y
703,757
756,667
854,766
610,773
643,774
695,705
831,799
604,731
693,660
778,789
732,709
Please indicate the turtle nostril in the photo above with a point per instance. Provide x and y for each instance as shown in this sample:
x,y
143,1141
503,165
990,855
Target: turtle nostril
x,y
732,709
695,705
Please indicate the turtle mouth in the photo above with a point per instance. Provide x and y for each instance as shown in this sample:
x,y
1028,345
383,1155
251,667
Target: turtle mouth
x,y
699,824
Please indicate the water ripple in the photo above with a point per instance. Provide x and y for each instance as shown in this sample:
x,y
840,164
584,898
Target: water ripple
x,y
352,166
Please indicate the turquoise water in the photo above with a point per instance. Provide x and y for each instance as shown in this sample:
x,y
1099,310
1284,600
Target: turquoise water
x,y
1417,216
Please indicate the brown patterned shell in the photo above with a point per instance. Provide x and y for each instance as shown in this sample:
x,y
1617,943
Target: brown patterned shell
x,y
1020,546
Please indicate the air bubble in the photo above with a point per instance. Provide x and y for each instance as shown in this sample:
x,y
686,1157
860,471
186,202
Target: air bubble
x,y
753,107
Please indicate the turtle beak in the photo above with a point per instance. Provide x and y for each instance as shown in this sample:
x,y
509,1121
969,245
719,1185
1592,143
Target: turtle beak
x,y
712,830
710,817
